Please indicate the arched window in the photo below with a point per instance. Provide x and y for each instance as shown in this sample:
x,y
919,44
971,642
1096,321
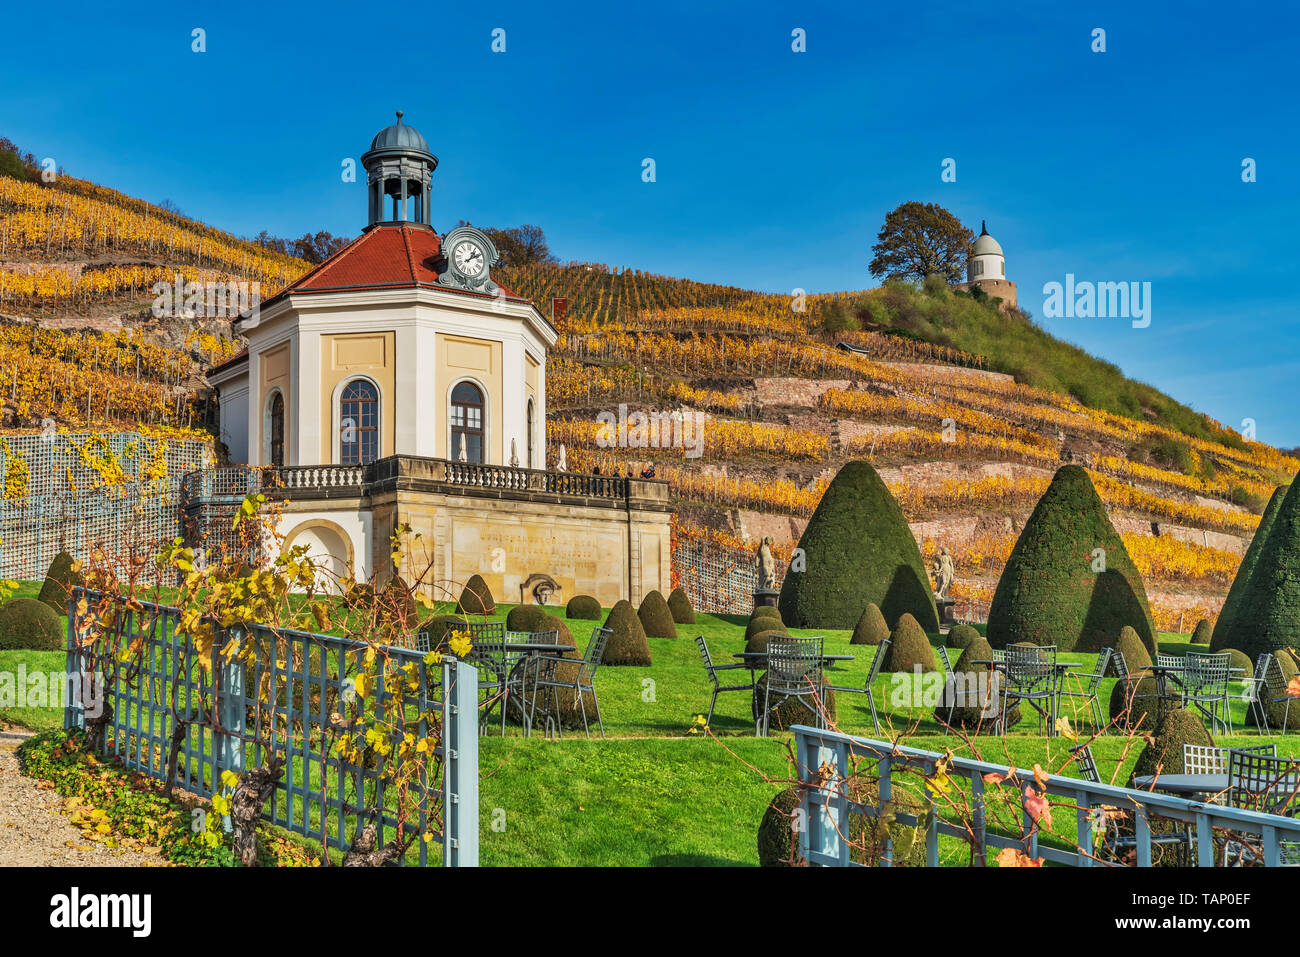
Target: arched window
x,y
467,421
359,423
277,428
532,428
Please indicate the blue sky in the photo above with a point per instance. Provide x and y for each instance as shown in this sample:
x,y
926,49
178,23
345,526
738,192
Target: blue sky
x,y
774,168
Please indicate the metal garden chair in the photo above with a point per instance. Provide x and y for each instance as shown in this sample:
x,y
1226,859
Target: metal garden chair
x,y
882,652
1275,691
1258,782
1205,685
1091,685
1115,840
1031,676
487,630
794,670
1168,661
713,670
583,681
1207,759
1256,688
497,678
524,674
947,663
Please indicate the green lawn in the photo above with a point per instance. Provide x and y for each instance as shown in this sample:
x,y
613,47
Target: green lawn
x,y
653,793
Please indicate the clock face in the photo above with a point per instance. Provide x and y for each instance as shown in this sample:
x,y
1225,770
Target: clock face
x,y
469,258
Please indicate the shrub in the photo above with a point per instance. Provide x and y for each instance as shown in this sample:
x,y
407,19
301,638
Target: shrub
x,y
583,607
627,645
758,642
1225,624
1164,754
967,713
656,618
909,647
1135,704
1268,617
397,600
59,582
860,549
777,846
1239,659
524,617
681,608
792,711
763,623
871,628
1134,651
1049,593
477,598
961,636
28,624
438,628
1202,633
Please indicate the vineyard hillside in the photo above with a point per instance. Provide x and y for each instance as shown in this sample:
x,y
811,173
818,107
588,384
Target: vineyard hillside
x,y
966,409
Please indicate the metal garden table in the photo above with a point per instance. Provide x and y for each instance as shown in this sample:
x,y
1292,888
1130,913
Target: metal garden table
x,y
1183,784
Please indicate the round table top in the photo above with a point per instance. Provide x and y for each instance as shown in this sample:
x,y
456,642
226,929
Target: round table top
x,y
1058,665
529,646
763,654
1182,783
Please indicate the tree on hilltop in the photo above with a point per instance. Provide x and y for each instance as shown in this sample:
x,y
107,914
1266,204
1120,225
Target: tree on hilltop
x,y
920,240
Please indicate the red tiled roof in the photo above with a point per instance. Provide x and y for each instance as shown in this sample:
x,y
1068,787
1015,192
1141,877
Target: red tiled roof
x,y
385,257
238,357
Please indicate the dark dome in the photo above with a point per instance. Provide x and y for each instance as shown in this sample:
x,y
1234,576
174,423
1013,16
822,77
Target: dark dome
x,y
399,137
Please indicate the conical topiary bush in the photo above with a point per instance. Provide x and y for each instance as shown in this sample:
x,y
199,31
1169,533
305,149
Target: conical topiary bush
x,y
909,647
871,628
1135,653
1049,592
627,645
1202,633
1279,716
656,617
1224,636
570,704
60,579
1268,616
857,548
973,704
681,608
477,598
1164,755
778,844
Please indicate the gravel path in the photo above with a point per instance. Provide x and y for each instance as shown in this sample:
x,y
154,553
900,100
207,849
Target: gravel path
x,y
34,830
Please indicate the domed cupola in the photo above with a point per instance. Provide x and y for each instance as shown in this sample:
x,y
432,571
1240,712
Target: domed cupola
x,y
399,166
985,260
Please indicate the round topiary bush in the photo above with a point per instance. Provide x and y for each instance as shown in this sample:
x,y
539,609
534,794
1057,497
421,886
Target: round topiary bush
x,y
762,623
656,617
1049,592
1202,633
1225,633
60,579
439,627
1134,651
859,549
570,708
681,608
583,607
758,642
627,645
1241,660
28,624
909,647
524,617
973,705
961,636
1135,705
477,598
871,628
768,611
792,711
778,845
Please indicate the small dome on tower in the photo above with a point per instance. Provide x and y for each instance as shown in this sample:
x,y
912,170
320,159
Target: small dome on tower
x,y
985,245
399,137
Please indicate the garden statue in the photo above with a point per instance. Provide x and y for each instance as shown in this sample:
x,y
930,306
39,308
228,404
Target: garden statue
x,y
514,454
463,456
944,573
562,464
766,566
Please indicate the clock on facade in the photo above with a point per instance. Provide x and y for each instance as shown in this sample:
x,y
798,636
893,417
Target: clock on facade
x,y
470,256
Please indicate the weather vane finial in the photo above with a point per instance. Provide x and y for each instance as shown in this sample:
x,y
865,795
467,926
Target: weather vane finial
x,y
399,117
